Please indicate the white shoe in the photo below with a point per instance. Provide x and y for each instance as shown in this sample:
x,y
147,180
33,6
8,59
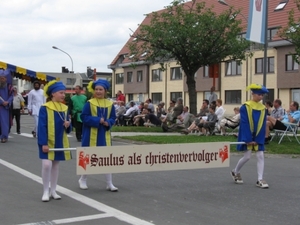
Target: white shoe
x,y
55,196
45,197
82,184
111,188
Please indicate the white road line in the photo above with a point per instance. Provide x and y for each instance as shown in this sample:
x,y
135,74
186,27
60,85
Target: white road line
x,y
81,198
72,220
30,135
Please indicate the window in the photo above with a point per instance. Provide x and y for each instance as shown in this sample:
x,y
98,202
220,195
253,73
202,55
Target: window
x,y
233,97
129,77
130,97
139,76
71,81
156,75
206,71
119,78
176,95
291,64
156,98
281,5
259,65
233,68
176,73
271,33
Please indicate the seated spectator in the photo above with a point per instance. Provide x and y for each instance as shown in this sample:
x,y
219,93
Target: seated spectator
x,y
292,116
160,110
151,120
177,110
150,105
130,113
233,121
120,111
139,119
269,106
185,117
278,111
141,106
210,123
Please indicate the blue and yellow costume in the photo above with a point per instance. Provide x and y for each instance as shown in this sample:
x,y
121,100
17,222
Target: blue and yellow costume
x,y
94,133
51,131
253,122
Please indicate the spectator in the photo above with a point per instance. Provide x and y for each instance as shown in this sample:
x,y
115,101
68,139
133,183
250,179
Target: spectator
x,y
152,120
150,105
177,110
233,121
278,111
292,116
160,110
210,123
213,96
129,113
269,106
18,107
120,96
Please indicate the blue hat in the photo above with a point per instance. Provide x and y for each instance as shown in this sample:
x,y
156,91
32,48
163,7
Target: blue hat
x,y
257,89
4,73
101,82
54,86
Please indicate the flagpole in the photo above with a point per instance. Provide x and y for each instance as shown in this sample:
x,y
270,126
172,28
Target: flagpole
x,y
265,47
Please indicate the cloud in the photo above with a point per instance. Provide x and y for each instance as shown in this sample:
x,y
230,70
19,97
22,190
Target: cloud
x,y
91,31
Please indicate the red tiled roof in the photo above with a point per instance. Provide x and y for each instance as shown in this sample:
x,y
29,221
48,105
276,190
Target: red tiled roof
x,y
275,18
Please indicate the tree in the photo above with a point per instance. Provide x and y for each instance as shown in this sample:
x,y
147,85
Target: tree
x,y
191,34
291,32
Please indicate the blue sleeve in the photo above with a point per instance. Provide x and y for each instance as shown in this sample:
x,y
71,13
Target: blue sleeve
x,y
87,118
43,127
69,129
112,117
245,134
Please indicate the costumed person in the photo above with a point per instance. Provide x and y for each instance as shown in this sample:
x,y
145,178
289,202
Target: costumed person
x,y
75,108
6,99
252,131
53,127
98,116
36,99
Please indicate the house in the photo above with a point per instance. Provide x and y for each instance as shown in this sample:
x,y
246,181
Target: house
x,y
145,80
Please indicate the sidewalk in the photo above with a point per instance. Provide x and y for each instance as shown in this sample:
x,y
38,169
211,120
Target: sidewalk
x,y
114,134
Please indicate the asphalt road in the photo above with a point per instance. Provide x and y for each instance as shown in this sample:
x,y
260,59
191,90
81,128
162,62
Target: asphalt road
x,y
191,197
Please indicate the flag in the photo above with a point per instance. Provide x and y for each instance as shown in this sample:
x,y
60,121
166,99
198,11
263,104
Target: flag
x,y
257,22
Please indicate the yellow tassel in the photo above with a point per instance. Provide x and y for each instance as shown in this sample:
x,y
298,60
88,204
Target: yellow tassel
x,y
90,88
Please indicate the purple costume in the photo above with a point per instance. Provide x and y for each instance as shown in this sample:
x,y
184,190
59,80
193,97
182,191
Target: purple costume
x,y
6,95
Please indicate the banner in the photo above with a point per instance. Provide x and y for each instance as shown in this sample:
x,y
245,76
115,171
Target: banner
x,y
256,21
144,158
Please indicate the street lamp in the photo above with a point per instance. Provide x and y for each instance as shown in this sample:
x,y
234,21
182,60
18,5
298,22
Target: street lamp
x,y
54,47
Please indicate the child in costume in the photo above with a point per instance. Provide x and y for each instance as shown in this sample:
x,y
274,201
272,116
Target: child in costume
x,y
98,116
53,126
252,131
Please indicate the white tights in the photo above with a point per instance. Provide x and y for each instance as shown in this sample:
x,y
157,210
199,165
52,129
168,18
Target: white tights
x,y
50,175
260,163
108,178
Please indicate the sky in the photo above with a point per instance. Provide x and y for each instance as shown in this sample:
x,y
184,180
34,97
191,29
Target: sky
x,y
92,32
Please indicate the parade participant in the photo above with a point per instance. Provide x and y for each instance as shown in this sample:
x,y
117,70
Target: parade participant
x,y
35,100
75,108
98,116
18,107
252,131
53,126
6,98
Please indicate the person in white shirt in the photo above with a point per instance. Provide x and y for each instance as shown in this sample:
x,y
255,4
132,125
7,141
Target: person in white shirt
x,y
35,100
129,113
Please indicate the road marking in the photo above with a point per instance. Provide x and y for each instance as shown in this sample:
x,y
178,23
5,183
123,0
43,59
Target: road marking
x,y
71,220
30,135
81,198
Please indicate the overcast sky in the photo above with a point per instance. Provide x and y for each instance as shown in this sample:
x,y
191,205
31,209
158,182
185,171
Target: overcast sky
x,y
91,31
